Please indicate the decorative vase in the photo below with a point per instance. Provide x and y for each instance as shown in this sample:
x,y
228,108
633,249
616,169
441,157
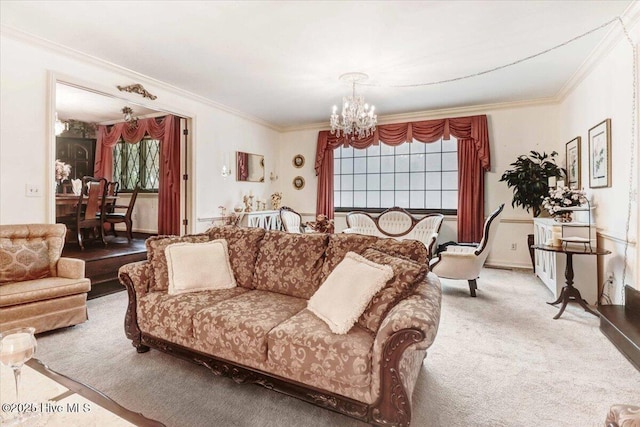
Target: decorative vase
x,y
563,216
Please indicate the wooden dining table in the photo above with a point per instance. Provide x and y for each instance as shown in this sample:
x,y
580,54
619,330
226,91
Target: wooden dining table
x,y
65,203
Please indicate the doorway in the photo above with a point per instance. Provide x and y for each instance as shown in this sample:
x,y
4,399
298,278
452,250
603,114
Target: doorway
x,y
77,109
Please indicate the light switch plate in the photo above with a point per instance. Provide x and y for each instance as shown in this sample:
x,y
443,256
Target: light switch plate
x,y
33,190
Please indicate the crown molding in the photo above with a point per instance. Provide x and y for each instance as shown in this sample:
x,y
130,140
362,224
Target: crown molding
x,y
631,18
437,113
37,41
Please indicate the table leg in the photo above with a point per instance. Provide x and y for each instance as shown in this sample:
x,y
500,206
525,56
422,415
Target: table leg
x,y
569,293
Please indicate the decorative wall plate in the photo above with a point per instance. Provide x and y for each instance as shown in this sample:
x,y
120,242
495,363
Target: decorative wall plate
x,y
298,183
298,161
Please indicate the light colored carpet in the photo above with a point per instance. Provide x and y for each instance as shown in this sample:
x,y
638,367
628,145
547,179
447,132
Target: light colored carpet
x,y
498,360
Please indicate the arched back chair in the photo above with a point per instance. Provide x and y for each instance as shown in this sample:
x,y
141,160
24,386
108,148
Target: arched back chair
x,y
291,220
464,261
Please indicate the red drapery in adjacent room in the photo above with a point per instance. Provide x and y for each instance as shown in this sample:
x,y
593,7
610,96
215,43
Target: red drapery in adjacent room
x,y
167,131
473,160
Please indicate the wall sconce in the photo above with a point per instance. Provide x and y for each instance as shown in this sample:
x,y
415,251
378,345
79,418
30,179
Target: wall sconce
x,y
226,167
273,176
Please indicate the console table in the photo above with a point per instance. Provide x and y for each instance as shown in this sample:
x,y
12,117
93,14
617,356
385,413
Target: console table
x,y
549,265
269,220
569,293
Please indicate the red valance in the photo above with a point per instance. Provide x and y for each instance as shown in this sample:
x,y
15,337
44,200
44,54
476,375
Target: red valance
x,y
471,130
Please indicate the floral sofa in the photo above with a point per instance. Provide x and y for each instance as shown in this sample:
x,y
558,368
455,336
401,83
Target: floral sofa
x,y
261,331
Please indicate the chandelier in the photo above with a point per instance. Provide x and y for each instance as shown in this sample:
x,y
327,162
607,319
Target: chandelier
x,y
127,115
357,119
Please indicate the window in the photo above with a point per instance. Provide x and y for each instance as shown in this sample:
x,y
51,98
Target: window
x,y
137,164
417,176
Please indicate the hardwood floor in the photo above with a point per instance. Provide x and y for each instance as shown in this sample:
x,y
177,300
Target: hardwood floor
x,y
621,324
103,262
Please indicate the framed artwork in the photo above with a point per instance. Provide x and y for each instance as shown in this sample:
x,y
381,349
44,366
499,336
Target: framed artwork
x,y
572,153
298,160
600,155
298,183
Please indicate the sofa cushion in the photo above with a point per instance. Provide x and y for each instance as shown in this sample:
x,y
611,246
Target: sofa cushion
x,y
41,289
170,317
194,267
406,276
241,324
20,261
244,244
290,264
346,293
304,342
340,244
52,234
156,246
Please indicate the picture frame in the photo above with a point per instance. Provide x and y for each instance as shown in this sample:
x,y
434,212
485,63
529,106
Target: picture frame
x,y
298,183
298,161
573,158
600,155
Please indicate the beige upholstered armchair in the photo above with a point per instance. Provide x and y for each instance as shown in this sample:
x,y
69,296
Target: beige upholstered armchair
x,y
37,287
464,261
397,223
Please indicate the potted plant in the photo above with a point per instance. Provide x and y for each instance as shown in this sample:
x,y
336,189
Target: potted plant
x,y
529,178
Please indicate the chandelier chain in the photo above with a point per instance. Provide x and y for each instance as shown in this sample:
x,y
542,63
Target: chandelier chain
x,y
500,67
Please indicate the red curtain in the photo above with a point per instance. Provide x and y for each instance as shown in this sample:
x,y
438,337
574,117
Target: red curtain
x,y
167,131
243,166
473,159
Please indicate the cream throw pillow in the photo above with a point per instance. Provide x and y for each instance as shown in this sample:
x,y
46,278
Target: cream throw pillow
x,y
194,267
347,291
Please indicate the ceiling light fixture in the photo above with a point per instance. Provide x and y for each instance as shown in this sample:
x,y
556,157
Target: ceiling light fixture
x,y
357,119
128,117
60,126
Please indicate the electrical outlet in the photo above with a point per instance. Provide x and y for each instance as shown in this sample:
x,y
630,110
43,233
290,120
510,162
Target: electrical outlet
x,y
514,246
33,190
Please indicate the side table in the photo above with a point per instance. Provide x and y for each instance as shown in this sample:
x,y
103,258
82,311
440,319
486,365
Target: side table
x,y
569,293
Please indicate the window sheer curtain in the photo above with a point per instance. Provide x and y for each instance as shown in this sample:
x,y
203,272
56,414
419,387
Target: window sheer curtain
x,y
473,160
167,131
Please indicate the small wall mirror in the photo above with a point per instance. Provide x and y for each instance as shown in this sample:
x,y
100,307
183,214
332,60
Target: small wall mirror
x,y
249,167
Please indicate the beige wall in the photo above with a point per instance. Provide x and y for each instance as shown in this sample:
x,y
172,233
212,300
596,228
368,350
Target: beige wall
x,y
605,91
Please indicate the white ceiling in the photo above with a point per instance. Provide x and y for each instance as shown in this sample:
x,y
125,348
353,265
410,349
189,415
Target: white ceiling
x,y
280,60
85,106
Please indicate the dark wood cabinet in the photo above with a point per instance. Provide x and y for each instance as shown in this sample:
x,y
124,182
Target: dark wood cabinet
x,y
79,153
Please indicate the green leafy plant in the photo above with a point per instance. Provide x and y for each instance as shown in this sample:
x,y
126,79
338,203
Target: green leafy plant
x,y
529,177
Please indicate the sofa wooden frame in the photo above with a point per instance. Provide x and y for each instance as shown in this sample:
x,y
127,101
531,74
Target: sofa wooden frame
x,y
393,407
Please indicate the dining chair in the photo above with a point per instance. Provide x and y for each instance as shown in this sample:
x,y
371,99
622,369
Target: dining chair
x,y
89,209
113,218
463,261
111,193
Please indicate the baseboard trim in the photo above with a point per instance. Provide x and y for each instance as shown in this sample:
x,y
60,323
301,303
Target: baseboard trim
x,y
508,265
